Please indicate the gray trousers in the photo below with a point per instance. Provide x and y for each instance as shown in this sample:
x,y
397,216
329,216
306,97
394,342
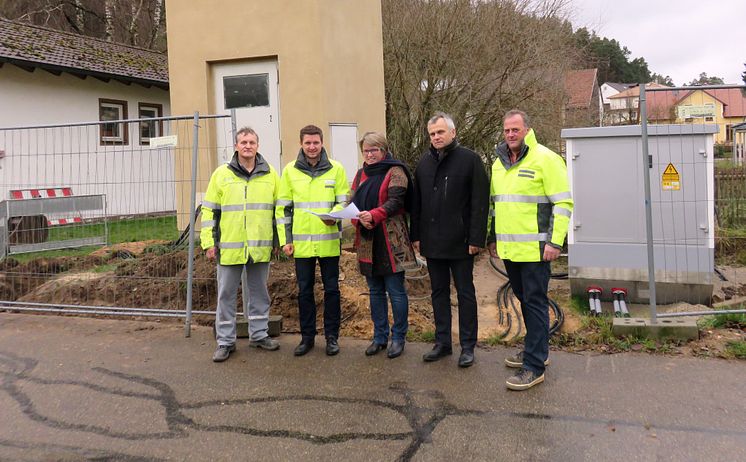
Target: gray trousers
x,y
255,298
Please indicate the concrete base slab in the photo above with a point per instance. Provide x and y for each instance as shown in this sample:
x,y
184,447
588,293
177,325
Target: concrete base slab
x,y
681,329
275,327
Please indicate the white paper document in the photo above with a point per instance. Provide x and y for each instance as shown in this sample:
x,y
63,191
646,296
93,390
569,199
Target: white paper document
x,y
350,211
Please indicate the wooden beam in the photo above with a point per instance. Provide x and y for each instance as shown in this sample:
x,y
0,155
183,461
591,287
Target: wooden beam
x,y
26,68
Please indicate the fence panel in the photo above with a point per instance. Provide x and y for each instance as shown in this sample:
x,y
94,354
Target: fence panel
x,y
140,172
730,197
692,182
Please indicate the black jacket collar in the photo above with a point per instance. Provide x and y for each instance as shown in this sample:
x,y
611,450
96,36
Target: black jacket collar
x,y
322,167
446,150
503,153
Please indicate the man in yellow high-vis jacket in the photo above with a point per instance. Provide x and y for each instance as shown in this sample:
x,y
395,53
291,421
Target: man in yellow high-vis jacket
x,y
313,183
531,209
238,231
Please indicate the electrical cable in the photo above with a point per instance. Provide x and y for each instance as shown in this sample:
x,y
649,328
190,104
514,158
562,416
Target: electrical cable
x,y
505,301
184,238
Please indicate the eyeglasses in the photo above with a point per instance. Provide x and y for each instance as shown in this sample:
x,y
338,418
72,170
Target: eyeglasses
x,y
371,151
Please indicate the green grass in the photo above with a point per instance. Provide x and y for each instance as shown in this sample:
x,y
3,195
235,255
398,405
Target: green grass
x,y
737,348
105,268
132,230
426,336
726,163
727,321
580,305
136,229
596,333
495,339
77,252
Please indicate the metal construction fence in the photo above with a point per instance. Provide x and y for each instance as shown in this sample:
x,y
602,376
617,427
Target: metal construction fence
x,y
660,200
66,190
704,203
655,210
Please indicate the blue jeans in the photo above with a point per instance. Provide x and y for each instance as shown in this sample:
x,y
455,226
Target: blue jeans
x,y
393,284
530,281
305,271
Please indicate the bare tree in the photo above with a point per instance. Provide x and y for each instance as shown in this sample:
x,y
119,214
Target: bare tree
x,y
134,22
109,20
158,17
475,60
79,23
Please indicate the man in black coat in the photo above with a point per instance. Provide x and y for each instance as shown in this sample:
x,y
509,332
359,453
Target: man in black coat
x,y
449,227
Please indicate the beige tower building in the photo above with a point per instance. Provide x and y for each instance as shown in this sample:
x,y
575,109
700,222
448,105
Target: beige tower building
x,y
281,64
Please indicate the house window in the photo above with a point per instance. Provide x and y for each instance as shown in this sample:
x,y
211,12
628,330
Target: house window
x,y
728,133
246,91
111,109
150,128
709,119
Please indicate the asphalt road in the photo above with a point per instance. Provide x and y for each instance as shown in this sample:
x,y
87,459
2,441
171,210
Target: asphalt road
x,y
94,389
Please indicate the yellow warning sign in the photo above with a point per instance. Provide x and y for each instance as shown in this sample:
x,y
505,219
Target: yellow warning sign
x,y
671,180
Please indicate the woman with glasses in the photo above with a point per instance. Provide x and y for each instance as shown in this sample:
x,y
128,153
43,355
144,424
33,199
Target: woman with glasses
x,y
381,190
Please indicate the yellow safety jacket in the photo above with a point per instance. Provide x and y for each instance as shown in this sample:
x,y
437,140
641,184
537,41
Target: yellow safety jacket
x,y
530,202
322,189
238,211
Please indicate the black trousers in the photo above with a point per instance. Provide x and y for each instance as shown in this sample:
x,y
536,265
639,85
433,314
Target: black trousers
x,y
440,279
530,281
305,271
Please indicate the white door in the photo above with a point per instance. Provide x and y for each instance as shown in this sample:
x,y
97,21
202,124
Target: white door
x,y
344,147
251,88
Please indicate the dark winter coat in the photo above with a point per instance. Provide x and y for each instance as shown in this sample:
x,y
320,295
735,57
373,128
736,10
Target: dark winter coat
x,y
387,249
451,202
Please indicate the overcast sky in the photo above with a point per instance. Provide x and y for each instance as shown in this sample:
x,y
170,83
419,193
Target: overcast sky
x,y
681,38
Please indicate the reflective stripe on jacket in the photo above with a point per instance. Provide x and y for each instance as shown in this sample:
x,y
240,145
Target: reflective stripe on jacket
x,y
530,202
238,211
322,189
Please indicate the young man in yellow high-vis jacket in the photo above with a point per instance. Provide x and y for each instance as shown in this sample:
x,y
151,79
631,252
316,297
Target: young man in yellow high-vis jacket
x,y
238,231
531,208
313,183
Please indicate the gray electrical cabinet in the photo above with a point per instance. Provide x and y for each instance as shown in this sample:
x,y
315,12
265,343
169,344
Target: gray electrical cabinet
x,y
607,236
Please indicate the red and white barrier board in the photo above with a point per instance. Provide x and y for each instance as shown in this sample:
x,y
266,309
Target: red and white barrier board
x,y
18,194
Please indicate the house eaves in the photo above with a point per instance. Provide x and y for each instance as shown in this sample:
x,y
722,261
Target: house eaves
x,y
29,47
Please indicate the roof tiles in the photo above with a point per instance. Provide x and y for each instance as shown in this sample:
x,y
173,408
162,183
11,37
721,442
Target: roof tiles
x,y
35,46
579,87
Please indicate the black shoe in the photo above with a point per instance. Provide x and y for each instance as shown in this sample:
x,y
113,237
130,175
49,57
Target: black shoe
x,y
396,349
466,359
332,347
374,348
303,347
438,351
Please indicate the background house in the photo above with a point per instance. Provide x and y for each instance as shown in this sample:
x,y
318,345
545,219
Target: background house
x,y
609,89
624,106
583,107
47,77
724,107
51,77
